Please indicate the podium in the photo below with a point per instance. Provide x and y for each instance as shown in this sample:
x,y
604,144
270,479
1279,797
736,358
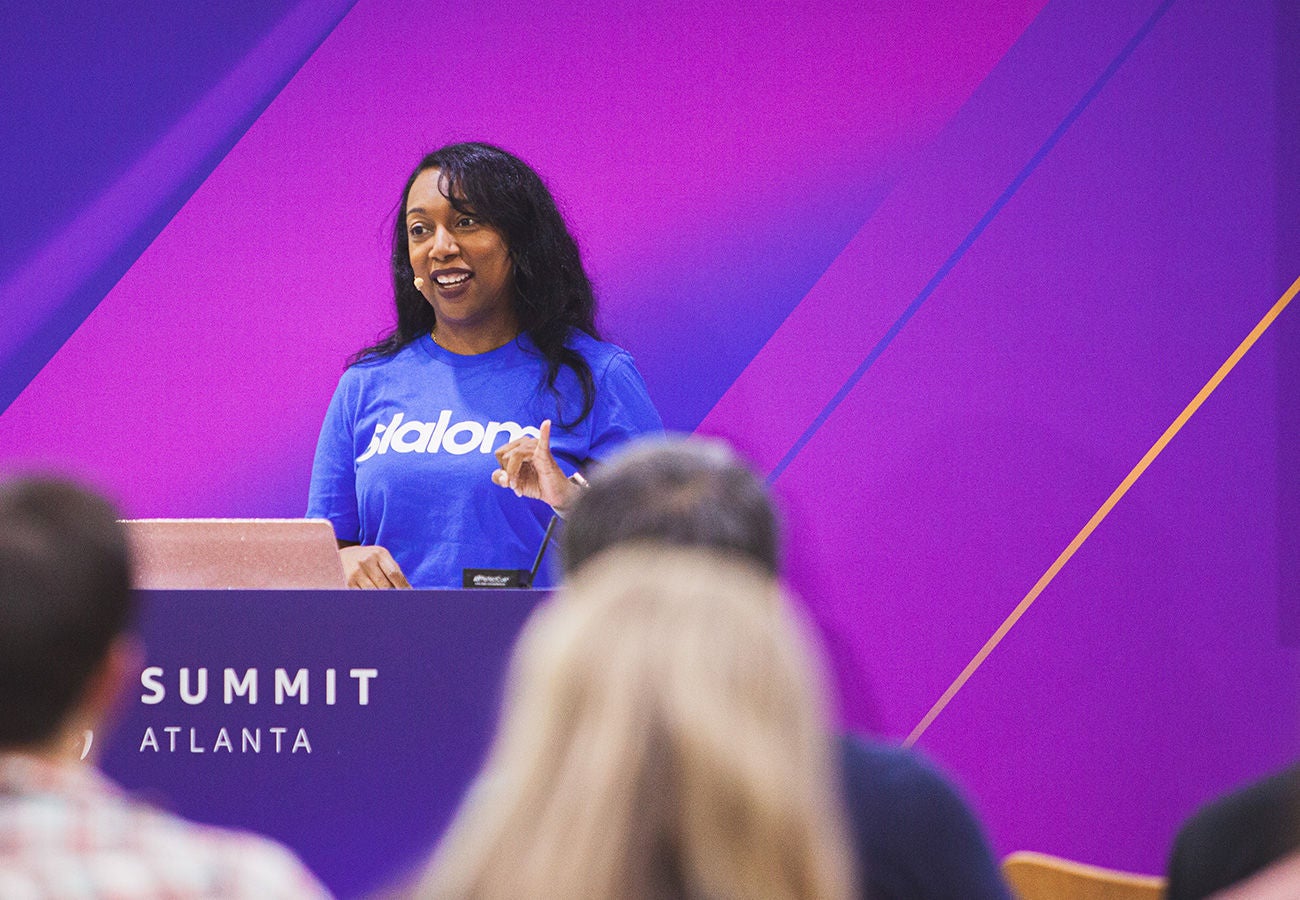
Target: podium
x,y
346,724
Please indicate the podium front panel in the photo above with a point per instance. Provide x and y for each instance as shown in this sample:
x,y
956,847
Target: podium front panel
x,y
346,724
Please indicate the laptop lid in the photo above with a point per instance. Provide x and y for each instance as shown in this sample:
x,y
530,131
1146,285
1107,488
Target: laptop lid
x,y
234,553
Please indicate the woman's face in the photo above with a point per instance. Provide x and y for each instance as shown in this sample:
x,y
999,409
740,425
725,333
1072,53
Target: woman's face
x,y
465,265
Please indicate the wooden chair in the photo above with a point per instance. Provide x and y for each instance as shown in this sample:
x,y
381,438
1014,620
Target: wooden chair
x,y
1037,876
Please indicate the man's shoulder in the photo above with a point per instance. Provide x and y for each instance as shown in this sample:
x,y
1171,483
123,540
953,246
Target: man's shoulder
x,y
1236,835
93,835
897,772
235,863
1271,799
915,834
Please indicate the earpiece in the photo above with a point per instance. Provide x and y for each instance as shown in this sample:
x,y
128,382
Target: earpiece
x,y
419,284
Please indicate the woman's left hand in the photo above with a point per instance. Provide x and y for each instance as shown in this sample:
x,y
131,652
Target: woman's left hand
x,y
528,469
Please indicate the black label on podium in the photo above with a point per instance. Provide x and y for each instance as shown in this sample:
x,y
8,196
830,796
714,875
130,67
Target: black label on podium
x,y
494,578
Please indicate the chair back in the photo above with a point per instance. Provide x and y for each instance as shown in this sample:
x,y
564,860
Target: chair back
x,y
1038,876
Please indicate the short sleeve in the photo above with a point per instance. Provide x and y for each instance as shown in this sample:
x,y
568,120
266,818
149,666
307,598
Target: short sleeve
x,y
333,491
623,410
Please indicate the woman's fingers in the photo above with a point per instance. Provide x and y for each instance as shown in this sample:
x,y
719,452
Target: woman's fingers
x,y
527,466
552,484
541,455
513,458
506,449
392,572
371,566
358,578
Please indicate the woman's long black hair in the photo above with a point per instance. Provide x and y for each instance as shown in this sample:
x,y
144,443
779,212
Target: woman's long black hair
x,y
552,292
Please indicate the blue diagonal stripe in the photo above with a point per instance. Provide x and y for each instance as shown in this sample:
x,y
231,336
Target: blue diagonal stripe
x,y
1003,199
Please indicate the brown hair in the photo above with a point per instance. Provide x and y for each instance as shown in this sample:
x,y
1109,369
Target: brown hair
x,y
65,595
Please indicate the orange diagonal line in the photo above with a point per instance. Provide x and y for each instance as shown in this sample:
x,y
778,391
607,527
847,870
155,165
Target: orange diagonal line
x,y
1116,495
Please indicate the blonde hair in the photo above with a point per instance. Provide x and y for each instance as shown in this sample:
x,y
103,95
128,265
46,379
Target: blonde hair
x,y
664,735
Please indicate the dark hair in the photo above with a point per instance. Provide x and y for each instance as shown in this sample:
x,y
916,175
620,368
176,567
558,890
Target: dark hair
x,y
553,295
691,492
64,596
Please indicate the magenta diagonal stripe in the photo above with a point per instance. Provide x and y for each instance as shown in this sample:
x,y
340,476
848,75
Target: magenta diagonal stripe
x,y
933,210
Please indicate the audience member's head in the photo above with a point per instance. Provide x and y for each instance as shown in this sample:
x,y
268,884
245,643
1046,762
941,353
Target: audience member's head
x,y
663,736
690,492
64,599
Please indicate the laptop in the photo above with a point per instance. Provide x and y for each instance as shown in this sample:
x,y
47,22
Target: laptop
x,y
234,553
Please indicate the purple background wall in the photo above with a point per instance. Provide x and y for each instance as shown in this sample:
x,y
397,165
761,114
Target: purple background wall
x,y
944,275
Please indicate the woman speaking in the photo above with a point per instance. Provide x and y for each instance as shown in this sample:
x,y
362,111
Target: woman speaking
x,y
449,444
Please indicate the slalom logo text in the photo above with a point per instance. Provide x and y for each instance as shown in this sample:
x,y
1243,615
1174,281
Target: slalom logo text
x,y
429,437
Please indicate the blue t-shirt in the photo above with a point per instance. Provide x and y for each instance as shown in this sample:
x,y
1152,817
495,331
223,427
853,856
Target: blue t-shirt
x,y
405,456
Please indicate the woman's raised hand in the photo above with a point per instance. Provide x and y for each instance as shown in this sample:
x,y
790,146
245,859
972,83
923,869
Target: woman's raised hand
x,y
529,469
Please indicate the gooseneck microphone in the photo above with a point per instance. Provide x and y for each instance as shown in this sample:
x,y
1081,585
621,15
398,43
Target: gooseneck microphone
x,y
510,578
527,581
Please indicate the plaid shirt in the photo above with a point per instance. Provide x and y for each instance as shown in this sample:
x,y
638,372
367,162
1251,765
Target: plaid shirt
x,y
67,832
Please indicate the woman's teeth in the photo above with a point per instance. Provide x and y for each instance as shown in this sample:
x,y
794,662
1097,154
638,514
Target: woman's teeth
x,y
449,280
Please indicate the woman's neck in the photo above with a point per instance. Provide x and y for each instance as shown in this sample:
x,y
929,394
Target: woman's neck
x,y
472,340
